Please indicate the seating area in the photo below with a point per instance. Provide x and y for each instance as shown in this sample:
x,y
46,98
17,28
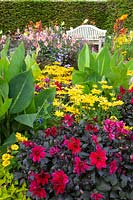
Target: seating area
x,y
89,33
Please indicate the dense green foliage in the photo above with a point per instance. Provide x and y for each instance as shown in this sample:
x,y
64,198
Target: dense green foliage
x,y
18,14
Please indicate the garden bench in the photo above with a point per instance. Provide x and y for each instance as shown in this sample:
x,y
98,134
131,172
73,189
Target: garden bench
x,y
89,33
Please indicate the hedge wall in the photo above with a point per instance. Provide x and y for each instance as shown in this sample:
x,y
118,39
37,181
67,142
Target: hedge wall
x,y
15,15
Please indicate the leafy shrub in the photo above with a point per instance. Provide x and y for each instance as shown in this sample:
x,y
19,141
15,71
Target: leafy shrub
x,y
9,188
18,109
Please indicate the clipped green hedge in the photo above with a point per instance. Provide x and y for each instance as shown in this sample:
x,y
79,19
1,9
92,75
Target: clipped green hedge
x,y
17,14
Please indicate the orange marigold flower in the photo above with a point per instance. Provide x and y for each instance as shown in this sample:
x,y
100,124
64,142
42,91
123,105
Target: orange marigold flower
x,y
123,17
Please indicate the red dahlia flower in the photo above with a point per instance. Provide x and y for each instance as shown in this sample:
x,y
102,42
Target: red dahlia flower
x,y
122,90
80,166
42,178
97,196
51,131
54,150
98,158
59,181
73,144
68,120
113,167
37,153
37,191
131,101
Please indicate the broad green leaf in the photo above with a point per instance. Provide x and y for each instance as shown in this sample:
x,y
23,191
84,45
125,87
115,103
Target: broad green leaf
x,y
4,63
124,181
92,60
29,60
130,195
5,106
36,70
8,142
103,186
118,76
26,119
1,100
129,65
31,108
79,77
5,49
31,64
47,94
4,88
16,63
84,58
116,58
21,91
103,62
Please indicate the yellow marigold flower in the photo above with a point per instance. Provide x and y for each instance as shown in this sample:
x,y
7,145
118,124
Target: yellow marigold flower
x,y
56,102
5,163
56,63
96,91
71,109
123,17
111,94
117,103
20,138
18,134
113,98
107,87
102,82
14,147
130,72
6,156
59,113
128,128
124,52
114,118
95,86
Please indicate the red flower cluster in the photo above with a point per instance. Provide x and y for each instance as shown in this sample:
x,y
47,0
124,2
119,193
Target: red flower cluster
x,y
37,191
51,131
80,166
38,181
115,128
113,167
37,153
68,120
98,158
54,150
58,86
59,181
90,127
97,196
73,144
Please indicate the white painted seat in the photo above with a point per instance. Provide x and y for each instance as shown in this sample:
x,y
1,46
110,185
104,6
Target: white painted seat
x,y
89,33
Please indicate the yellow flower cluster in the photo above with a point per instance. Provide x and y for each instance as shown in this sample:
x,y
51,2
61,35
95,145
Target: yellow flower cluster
x,y
77,100
14,147
20,138
58,73
123,39
6,159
